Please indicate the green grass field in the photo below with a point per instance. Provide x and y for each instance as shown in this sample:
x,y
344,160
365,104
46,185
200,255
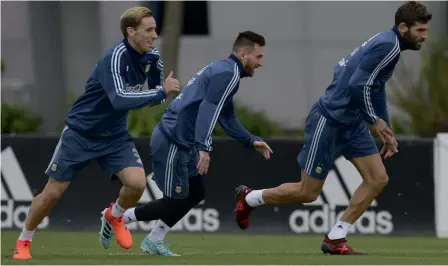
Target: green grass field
x,y
84,248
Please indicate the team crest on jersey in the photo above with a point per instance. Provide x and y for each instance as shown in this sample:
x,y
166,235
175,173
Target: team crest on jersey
x,y
54,167
148,67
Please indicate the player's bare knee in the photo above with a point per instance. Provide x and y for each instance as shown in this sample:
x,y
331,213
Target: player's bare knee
x,y
308,189
50,197
137,185
53,191
382,180
303,194
133,179
308,196
378,181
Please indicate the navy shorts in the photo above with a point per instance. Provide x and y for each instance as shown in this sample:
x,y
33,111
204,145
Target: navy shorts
x,y
325,139
74,151
172,165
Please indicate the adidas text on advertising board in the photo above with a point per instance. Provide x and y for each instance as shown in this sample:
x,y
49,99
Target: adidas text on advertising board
x,y
16,193
196,220
320,216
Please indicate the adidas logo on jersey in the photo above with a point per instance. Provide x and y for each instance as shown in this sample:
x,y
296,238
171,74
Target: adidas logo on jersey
x,y
16,194
196,220
320,216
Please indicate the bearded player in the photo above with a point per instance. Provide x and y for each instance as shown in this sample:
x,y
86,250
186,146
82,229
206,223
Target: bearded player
x,y
338,123
181,143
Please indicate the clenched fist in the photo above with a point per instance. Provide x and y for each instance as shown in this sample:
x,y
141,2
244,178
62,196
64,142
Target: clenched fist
x,y
171,84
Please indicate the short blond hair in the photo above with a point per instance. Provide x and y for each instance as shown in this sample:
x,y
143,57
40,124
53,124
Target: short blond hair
x,y
133,17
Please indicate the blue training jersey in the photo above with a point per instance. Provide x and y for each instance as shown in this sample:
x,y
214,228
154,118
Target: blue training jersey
x,y
207,98
115,86
357,91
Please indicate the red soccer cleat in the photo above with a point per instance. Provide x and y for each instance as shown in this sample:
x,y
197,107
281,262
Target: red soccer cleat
x,y
242,210
338,247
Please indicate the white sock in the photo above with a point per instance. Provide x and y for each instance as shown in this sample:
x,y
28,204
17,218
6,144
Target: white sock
x,y
159,231
117,211
129,216
340,230
255,198
26,235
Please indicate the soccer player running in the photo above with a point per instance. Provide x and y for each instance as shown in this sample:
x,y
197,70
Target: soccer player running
x,y
96,126
337,124
181,143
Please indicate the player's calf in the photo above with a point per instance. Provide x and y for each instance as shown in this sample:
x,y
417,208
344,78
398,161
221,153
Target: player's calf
x,y
374,178
134,184
299,192
307,190
377,182
42,203
40,208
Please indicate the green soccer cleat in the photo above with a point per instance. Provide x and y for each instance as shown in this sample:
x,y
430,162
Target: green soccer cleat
x,y
156,248
106,232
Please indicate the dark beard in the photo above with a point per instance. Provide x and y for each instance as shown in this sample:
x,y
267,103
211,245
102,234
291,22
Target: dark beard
x,y
409,43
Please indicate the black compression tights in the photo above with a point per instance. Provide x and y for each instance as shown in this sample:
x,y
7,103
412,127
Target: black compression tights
x,y
172,210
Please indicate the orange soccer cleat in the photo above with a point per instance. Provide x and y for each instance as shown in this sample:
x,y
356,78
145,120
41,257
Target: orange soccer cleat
x,y
121,232
22,250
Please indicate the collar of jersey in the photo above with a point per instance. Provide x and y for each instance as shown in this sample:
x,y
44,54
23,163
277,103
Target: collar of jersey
x,y
403,44
240,65
134,54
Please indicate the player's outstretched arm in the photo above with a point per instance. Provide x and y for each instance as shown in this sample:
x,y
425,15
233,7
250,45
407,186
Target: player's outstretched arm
x,y
232,125
372,100
122,97
220,87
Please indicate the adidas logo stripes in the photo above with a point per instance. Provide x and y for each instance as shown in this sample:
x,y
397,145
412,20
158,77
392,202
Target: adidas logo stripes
x,y
16,194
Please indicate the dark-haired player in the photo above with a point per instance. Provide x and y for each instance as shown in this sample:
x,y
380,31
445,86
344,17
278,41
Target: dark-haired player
x,y
181,142
337,124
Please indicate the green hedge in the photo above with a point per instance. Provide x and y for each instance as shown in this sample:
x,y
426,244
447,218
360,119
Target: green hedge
x,y
19,120
424,102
